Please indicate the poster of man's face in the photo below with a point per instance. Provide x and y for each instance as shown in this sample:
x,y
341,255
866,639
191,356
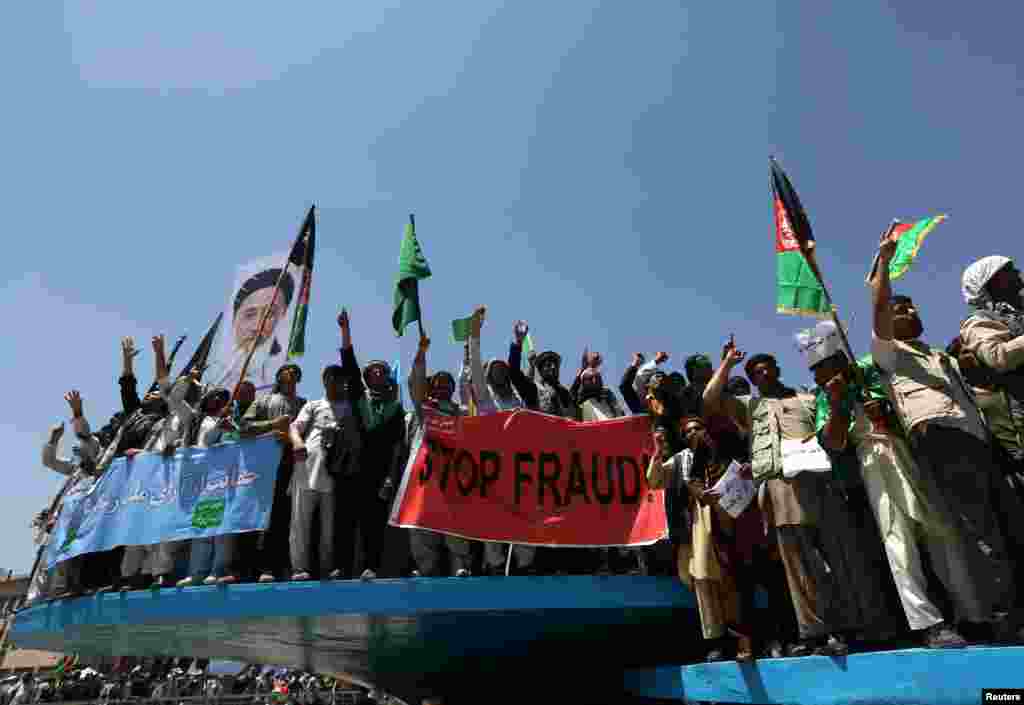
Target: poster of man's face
x,y
252,293
251,311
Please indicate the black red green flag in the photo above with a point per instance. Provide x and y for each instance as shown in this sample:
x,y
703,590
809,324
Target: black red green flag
x,y
302,256
798,287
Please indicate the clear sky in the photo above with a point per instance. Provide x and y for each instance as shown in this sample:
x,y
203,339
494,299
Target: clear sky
x,y
597,168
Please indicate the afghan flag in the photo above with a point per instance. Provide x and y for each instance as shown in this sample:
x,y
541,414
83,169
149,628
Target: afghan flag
x,y
202,354
798,288
412,267
302,256
909,238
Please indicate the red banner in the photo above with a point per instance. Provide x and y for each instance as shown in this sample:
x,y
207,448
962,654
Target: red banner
x,y
529,478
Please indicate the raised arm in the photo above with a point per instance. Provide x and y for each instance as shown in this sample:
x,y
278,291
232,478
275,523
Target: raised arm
x,y
349,364
522,382
476,368
418,375
129,385
174,394
90,447
713,393
881,288
50,459
644,372
629,394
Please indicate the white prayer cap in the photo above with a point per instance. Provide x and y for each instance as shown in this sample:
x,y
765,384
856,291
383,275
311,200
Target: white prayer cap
x,y
819,343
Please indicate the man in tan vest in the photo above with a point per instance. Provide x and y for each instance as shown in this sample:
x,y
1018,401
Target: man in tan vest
x,y
948,437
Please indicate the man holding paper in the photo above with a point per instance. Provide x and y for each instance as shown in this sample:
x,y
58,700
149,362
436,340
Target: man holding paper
x,y
832,587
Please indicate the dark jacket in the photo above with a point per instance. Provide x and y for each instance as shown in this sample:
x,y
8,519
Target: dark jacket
x,y
382,446
526,387
629,395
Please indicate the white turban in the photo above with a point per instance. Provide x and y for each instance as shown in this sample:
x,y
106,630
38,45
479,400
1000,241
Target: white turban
x,y
978,275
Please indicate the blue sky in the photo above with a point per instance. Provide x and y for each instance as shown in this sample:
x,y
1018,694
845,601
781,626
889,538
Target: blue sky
x,y
597,168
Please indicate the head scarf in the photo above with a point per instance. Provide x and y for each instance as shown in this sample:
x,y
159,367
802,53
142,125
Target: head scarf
x,y
545,356
449,406
977,276
694,362
389,390
379,405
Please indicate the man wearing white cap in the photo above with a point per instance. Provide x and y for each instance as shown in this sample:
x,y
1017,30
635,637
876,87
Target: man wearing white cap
x,y
855,411
947,434
833,580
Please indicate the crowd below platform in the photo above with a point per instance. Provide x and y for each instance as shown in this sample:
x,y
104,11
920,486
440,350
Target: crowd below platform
x,y
919,526
180,681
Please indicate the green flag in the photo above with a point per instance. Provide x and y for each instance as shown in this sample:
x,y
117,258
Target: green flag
x,y
910,237
527,349
460,329
412,267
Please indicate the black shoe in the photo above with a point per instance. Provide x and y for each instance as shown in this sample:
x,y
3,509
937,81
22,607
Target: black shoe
x,y
833,646
774,649
943,636
800,648
1007,631
715,655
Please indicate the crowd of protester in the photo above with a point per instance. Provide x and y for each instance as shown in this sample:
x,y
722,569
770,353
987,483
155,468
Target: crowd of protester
x,y
179,680
917,527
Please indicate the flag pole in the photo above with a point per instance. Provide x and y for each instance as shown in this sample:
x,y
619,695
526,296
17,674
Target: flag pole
x,y
874,262
808,253
419,306
49,536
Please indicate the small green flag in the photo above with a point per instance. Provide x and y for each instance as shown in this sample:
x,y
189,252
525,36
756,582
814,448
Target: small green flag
x,y
460,329
412,267
527,349
910,238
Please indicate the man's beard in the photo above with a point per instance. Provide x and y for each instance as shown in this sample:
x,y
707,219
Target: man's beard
x,y
911,326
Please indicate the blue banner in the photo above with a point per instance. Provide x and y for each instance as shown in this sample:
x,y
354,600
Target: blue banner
x,y
149,499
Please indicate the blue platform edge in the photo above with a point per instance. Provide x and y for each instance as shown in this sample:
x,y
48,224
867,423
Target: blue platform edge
x,y
379,598
904,677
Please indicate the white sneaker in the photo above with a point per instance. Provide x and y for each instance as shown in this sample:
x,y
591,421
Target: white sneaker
x,y
185,582
462,573
210,580
368,575
267,578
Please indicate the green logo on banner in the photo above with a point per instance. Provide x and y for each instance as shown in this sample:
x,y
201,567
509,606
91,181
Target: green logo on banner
x,y
208,513
68,540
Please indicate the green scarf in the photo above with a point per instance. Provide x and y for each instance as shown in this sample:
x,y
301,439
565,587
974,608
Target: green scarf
x,y
377,412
